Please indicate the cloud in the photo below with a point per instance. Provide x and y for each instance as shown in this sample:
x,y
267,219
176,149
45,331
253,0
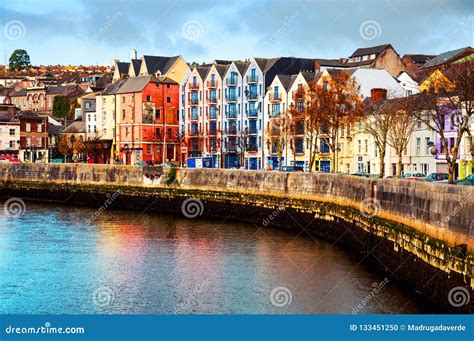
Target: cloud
x,y
89,31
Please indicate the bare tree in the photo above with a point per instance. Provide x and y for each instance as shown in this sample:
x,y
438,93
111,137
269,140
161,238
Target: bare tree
x,y
400,129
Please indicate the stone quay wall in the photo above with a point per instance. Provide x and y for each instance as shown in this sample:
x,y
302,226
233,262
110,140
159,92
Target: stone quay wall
x,y
407,221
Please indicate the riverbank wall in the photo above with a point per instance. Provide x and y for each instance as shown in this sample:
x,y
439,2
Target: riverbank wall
x,y
417,233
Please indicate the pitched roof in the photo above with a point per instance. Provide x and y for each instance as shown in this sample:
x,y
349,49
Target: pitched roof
x,y
262,63
222,69
136,64
114,87
54,129
136,84
310,76
285,80
123,67
203,71
75,127
242,66
370,50
21,92
420,58
443,57
223,62
160,64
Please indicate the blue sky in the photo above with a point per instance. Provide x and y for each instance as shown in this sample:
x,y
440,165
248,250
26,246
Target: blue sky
x,y
91,32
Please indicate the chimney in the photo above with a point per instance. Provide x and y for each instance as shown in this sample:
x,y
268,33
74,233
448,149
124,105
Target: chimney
x,y
317,66
134,54
378,94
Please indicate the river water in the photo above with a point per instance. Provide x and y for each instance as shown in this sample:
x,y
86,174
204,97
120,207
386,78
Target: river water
x,y
54,261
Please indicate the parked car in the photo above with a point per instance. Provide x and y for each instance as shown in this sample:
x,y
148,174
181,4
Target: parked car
x,y
8,158
437,177
415,176
140,163
467,181
361,174
291,169
406,175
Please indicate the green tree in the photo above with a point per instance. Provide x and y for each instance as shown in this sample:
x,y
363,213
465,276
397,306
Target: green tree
x,y
19,60
61,106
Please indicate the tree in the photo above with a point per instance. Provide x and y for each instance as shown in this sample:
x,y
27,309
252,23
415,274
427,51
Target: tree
x,y
19,60
447,105
70,145
377,124
340,104
401,128
278,131
61,106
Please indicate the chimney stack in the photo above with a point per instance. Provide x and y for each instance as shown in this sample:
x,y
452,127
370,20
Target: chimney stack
x,y
378,94
134,54
317,66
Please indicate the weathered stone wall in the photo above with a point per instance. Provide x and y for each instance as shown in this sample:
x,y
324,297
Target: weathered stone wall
x,y
419,231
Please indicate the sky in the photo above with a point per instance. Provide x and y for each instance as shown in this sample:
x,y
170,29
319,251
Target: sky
x,y
97,31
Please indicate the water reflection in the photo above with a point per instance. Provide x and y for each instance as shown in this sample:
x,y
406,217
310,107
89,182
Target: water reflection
x,y
123,262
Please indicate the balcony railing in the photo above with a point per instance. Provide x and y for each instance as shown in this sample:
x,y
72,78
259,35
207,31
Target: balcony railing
x,y
253,131
275,97
252,148
231,113
253,112
212,100
252,79
194,101
231,147
231,98
211,84
193,86
231,81
212,132
231,131
252,96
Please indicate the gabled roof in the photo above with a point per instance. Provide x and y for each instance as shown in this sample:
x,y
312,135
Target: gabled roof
x,y
203,71
370,50
222,62
262,63
242,67
75,127
222,69
285,80
136,84
309,76
160,64
123,67
420,58
136,64
114,87
443,57
21,92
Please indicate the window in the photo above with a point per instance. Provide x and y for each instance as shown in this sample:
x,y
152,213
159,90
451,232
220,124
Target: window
x,y
12,132
123,99
148,148
12,144
39,142
360,145
427,142
28,141
168,99
148,98
418,146
158,113
366,142
39,128
28,127
123,114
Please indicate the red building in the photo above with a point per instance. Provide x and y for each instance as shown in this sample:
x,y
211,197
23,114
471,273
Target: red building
x,y
148,122
33,137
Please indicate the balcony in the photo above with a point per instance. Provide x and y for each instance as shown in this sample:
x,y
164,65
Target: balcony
x,y
253,112
194,101
252,79
193,87
231,98
231,113
231,131
252,131
252,96
212,132
231,147
252,148
275,97
231,81
212,100
212,84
